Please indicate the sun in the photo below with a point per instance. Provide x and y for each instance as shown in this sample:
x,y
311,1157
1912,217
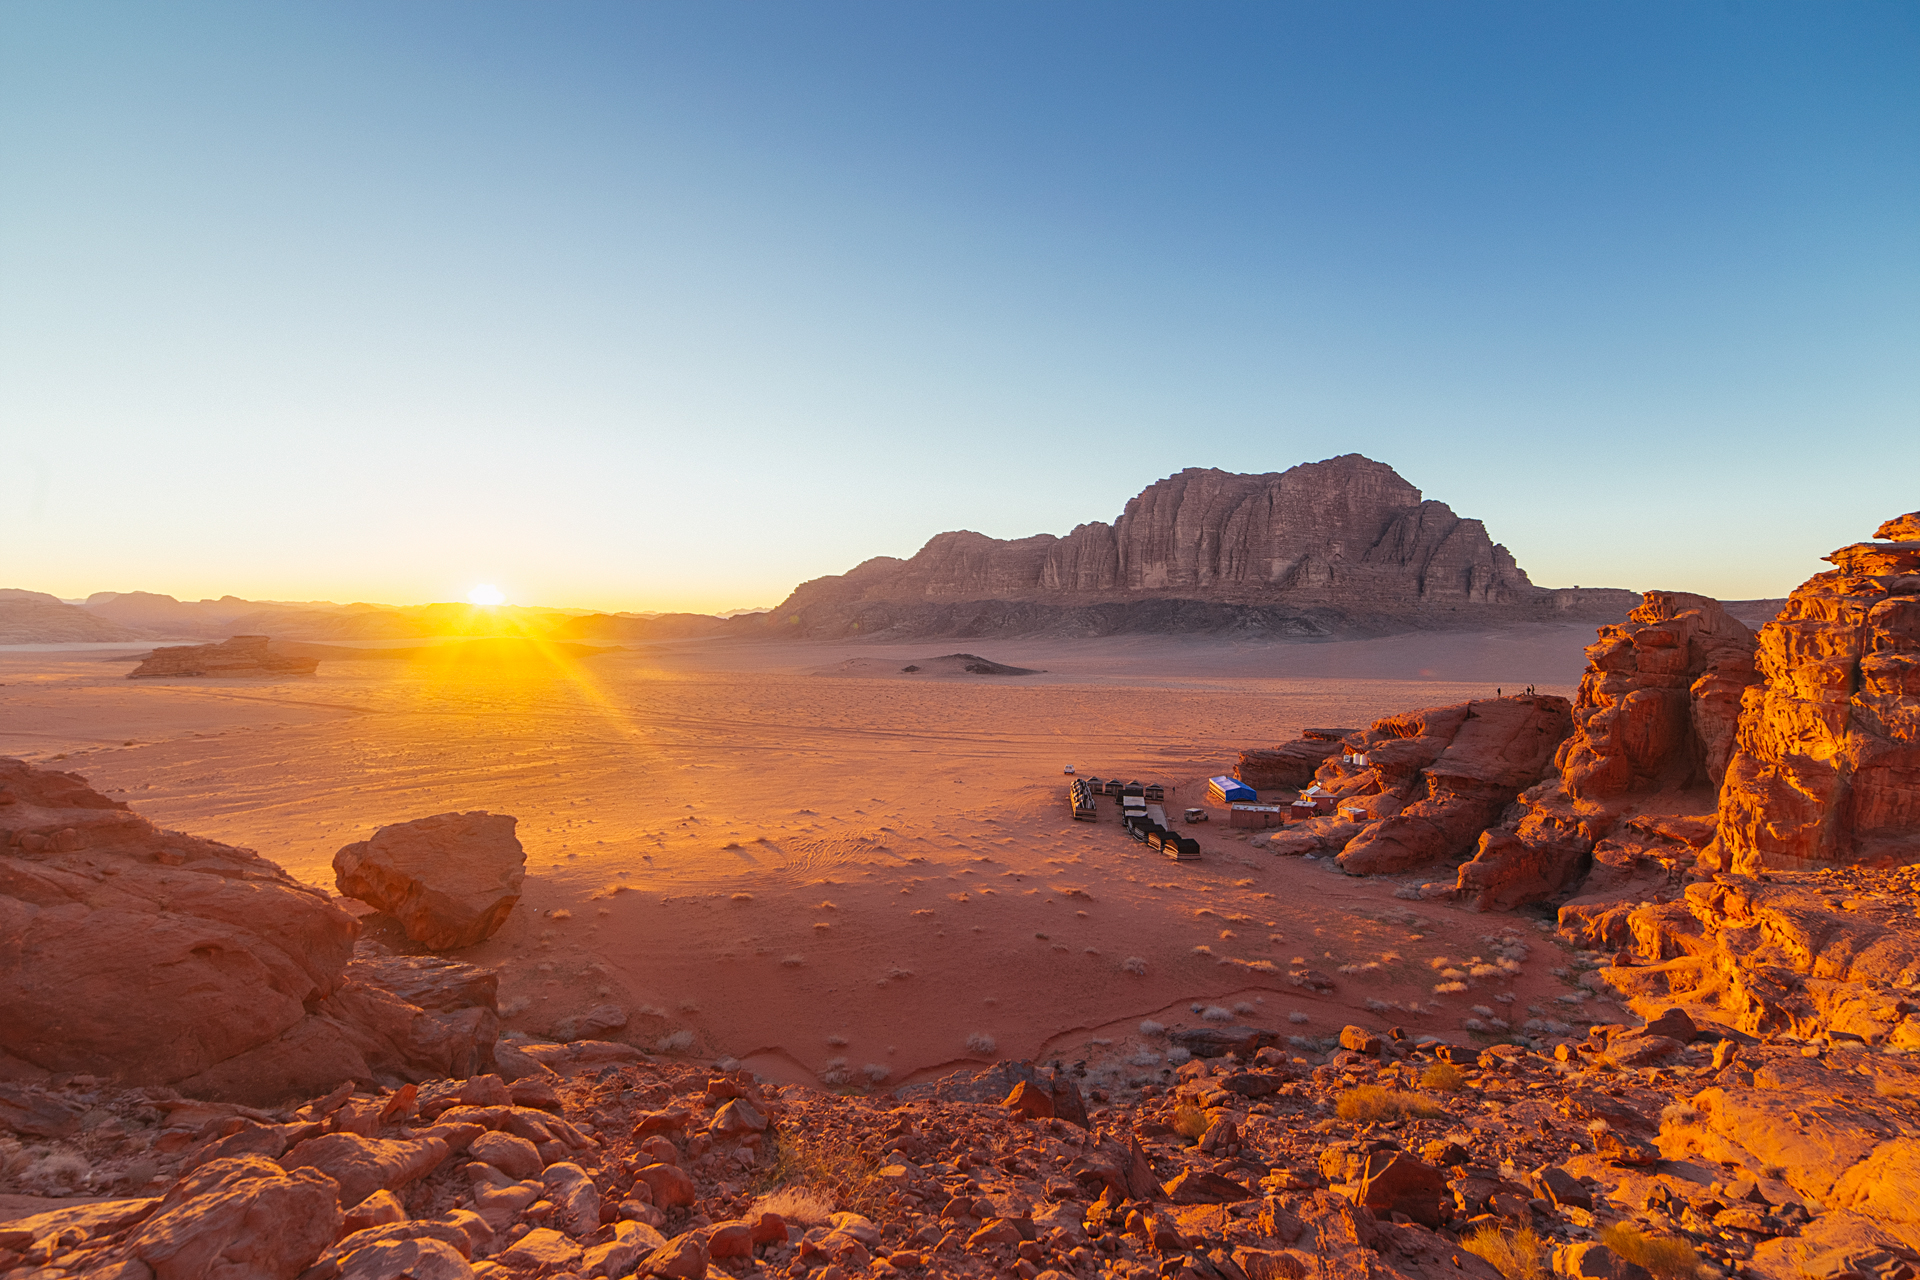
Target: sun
x,y
486,594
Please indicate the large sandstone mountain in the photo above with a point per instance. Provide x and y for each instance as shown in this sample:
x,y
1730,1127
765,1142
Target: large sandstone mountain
x,y
1327,547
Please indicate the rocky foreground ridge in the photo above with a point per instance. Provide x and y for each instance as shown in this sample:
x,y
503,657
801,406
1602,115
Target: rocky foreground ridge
x,y
1329,547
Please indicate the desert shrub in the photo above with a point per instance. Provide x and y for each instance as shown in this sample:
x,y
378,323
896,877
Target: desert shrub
x,y
1663,1255
815,1169
1443,1077
1519,1256
1370,1102
1189,1122
795,1204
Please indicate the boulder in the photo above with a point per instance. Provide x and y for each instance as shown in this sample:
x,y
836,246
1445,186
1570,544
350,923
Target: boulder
x,y
575,1197
541,1248
362,1166
1595,1262
511,1154
683,1258
240,656
413,1259
630,1240
450,880
594,1024
1392,1182
241,1219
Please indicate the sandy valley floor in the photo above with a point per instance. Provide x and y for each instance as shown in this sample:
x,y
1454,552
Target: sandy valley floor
x,y
762,851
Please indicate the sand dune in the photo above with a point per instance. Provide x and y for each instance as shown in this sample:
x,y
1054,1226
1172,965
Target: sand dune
x,y
822,876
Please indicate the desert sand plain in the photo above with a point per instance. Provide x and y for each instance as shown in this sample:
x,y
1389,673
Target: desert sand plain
x,y
798,856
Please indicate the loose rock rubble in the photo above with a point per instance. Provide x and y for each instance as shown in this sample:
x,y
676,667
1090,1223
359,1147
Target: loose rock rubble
x,y
1377,1158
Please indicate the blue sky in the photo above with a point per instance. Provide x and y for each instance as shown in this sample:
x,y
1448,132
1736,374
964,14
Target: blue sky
x,y
673,305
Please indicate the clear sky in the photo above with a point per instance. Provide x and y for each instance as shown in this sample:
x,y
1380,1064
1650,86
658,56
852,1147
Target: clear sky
x,y
673,305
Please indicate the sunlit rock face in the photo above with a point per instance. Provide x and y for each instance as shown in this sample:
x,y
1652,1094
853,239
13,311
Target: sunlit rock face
x,y
1652,724
1827,761
1340,542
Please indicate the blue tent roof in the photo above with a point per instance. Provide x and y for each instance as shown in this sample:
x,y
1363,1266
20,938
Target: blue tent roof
x,y
1231,788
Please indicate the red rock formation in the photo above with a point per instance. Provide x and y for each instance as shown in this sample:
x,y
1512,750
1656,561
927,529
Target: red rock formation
x,y
1652,733
450,880
1422,785
159,958
240,656
1827,768
1291,765
1346,536
1454,768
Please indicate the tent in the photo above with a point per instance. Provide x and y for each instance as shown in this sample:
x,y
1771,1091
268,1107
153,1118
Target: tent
x,y
1226,790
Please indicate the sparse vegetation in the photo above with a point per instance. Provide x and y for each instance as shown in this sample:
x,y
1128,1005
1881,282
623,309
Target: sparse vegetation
x,y
812,1173
1521,1255
1665,1256
1189,1122
1370,1102
1443,1077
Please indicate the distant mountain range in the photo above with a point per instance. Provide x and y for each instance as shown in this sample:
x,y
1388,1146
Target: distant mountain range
x,y
1340,547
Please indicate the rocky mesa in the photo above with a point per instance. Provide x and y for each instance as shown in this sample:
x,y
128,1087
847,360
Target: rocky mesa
x,y
1340,546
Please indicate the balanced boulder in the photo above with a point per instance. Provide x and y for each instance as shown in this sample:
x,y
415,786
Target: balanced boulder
x,y
450,880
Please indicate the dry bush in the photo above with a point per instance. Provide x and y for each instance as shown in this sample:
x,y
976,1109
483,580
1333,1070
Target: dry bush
x,y
795,1204
1520,1256
1443,1077
818,1169
1370,1102
1189,1122
1662,1255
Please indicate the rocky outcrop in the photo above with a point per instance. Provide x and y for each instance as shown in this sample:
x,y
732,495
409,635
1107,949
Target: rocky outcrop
x,y
450,880
1419,786
158,958
239,656
1291,765
1653,730
1827,766
1450,772
1328,546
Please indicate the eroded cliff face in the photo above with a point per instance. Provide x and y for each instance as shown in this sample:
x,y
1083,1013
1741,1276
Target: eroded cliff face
x,y
1347,534
1827,761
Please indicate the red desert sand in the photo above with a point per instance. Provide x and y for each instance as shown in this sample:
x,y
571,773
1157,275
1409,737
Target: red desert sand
x,y
802,858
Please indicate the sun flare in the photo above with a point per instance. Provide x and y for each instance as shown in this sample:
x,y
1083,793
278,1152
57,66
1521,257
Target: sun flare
x,y
486,594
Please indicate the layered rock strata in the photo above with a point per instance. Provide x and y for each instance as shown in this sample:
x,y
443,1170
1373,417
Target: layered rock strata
x,y
1323,547
1827,765
239,656
152,957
